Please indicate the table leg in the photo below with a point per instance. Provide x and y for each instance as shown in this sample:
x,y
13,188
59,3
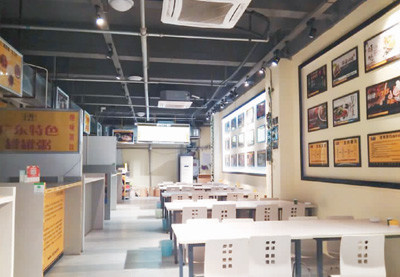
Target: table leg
x,y
162,205
175,250
297,251
180,260
190,258
170,224
320,261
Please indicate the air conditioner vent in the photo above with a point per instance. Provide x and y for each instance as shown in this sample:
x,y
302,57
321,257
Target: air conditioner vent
x,y
222,14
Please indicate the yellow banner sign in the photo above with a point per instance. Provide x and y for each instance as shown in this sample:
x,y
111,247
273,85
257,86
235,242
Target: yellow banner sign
x,y
384,149
39,131
10,68
318,154
347,151
86,123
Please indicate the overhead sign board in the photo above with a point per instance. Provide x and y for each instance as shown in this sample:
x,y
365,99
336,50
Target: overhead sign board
x,y
10,69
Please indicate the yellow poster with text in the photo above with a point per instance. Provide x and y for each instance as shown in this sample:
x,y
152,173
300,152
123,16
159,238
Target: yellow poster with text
x,y
10,68
39,131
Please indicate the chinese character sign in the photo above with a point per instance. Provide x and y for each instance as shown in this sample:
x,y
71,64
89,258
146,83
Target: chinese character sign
x,y
39,131
10,68
86,123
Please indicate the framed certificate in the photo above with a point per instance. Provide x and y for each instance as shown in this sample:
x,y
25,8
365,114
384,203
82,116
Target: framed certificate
x,y
384,149
345,67
346,109
318,154
317,82
347,152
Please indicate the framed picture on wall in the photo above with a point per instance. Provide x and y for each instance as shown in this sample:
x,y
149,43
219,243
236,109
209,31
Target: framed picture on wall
x,y
62,100
241,120
241,162
227,127
250,115
228,160
227,144
384,149
234,142
241,140
345,67
318,117
346,109
250,137
383,98
261,110
383,48
317,82
233,124
250,159
261,158
234,160
318,154
347,152
261,133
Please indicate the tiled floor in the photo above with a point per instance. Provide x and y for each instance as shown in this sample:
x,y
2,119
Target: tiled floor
x,y
128,246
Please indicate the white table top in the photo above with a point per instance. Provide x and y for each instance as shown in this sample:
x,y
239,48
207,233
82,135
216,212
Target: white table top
x,y
6,199
310,229
92,179
241,204
213,193
195,185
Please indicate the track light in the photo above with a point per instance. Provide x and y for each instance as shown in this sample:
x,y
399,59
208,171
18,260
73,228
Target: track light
x,y
313,30
275,60
262,69
110,51
99,19
118,77
234,93
222,105
207,116
247,83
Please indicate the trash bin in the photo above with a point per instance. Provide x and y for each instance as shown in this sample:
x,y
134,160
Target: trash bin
x,y
166,248
164,225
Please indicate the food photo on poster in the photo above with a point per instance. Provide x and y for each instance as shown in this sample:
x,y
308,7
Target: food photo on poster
x,y
318,117
346,109
261,110
241,120
345,67
241,160
10,69
124,136
317,82
250,159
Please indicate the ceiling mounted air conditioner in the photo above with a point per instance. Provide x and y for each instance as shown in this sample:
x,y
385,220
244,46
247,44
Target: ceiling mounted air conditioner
x,y
222,14
174,104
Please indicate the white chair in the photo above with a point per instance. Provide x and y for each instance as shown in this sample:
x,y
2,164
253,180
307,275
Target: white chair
x,y
333,246
234,196
222,211
193,212
267,212
270,256
187,188
175,188
362,256
237,220
227,258
293,210
202,221
199,195
179,196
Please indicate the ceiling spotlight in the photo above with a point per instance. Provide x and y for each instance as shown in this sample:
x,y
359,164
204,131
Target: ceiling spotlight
x,y
247,83
222,105
99,19
262,69
275,60
207,117
313,30
118,77
140,114
110,51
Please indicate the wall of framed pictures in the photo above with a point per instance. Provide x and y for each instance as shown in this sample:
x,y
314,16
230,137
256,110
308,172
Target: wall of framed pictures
x,y
244,138
350,107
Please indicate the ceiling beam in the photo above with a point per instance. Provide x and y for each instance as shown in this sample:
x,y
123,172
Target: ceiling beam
x,y
120,96
129,105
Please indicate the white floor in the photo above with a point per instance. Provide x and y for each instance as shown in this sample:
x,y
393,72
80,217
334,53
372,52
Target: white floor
x,y
128,246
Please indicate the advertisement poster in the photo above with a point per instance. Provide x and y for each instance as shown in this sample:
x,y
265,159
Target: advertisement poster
x,y
233,124
123,136
384,149
227,127
234,142
261,158
250,137
86,123
345,67
261,133
234,160
347,152
241,160
39,131
317,82
346,109
318,154
318,117
383,98
227,144
227,160
261,110
241,120
250,159
241,140
250,115
382,48
62,100
10,68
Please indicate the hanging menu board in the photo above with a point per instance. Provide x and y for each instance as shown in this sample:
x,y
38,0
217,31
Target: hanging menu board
x,y
39,131
10,69
384,149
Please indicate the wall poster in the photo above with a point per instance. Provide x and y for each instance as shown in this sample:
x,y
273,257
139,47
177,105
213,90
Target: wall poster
x,y
233,124
250,115
250,137
318,154
62,100
86,122
123,136
346,109
240,120
234,160
250,159
11,68
318,117
384,149
317,82
382,48
261,110
347,152
261,158
261,133
345,67
241,140
241,161
383,98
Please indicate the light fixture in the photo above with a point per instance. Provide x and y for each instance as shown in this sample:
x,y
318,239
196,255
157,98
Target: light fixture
x,y
207,116
313,30
118,77
121,5
110,51
262,69
275,60
222,105
247,83
234,93
140,114
99,19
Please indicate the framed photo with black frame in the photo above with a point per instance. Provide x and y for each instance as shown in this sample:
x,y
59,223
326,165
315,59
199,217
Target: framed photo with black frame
x,y
346,109
345,67
347,152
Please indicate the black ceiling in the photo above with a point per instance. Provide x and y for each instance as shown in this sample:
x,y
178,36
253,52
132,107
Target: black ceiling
x,y
196,65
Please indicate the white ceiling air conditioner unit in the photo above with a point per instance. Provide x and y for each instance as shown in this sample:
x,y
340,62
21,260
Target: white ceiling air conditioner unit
x,y
223,14
174,99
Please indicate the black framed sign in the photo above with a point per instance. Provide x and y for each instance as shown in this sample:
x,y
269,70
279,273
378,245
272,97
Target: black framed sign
x,y
318,154
346,109
318,117
347,152
384,149
317,82
345,67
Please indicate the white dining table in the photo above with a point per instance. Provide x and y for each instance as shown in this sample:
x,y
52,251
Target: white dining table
x,y
197,234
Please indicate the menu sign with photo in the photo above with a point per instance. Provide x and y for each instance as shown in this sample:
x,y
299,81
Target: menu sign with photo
x,y
317,82
10,69
241,160
124,136
384,149
318,154
347,152
250,158
345,67
86,123
346,109
383,98
382,48
318,117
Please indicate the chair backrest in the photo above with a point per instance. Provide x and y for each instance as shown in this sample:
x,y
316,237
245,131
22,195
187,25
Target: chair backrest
x,y
267,212
333,246
227,258
234,196
293,210
173,189
199,195
308,246
236,220
179,196
193,212
253,196
362,255
202,221
222,211
187,188
270,256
